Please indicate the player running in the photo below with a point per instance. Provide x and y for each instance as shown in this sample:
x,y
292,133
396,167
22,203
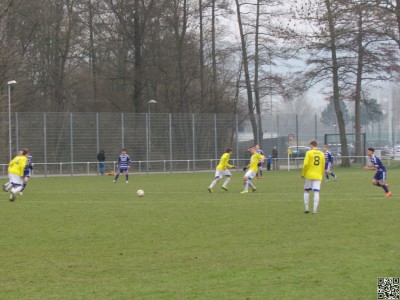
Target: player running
x,y
252,169
328,164
223,170
312,172
380,174
16,173
124,164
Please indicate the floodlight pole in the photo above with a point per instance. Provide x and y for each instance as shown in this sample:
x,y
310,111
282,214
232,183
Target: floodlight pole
x,y
11,82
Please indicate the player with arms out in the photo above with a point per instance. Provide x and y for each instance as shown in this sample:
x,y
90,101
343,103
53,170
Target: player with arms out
x,y
312,173
124,164
223,170
252,169
380,174
15,173
328,163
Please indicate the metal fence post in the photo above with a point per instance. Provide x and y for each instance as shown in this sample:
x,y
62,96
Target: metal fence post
x,y
72,143
16,132
122,131
215,136
237,136
147,142
297,137
194,142
315,127
170,142
45,143
97,133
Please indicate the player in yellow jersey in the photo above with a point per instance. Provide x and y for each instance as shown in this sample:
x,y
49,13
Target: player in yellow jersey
x,y
223,170
16,173
252,169
313,171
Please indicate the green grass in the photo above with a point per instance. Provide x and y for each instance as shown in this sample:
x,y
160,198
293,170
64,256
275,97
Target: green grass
x,y
87,238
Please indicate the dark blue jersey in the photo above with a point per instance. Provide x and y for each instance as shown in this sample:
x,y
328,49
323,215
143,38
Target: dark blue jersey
x,y
124,161
377,163
328,157
29,163
259,151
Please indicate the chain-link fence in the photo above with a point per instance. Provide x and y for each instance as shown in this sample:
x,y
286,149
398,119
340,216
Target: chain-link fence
x,y
158,142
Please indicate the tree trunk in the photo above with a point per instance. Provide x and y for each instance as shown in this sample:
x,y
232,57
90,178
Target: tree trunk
x,y
357,96
138,85
250,103
214,97
93,63
256,71
336,89
201,54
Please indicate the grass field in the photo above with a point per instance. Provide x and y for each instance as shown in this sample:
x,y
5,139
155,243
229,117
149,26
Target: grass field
x,y
87,238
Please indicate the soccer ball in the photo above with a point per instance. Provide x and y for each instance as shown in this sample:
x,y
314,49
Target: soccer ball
x,y
140,193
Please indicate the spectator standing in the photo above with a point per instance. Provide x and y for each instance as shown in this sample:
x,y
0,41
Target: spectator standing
x,y
274,157
101,158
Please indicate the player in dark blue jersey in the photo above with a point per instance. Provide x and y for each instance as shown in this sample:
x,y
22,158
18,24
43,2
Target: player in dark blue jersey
x,y
27,171
380,174
124,164
259,174
328,163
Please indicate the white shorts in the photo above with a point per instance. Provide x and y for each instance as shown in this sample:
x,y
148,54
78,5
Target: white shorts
x,y
314,185
250,174
222,173
15,179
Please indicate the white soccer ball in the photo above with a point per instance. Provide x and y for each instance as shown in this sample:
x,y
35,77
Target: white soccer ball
x,y
140,193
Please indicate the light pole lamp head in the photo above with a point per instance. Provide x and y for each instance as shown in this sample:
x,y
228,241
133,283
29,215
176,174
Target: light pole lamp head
x,y
11,82
152,102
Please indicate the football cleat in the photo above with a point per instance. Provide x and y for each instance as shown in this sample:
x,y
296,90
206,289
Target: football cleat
x,y
224,188
210,190
126,181
12,196
388,194
21,193
307,211
335,177
244,192
253,189
114,181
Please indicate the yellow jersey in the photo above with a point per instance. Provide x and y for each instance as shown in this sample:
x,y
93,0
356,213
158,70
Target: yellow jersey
x,y
17,165
224,162
314,165
254,160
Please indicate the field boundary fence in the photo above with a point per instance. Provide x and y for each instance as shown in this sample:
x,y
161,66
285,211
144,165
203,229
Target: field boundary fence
x,y
176,166
71,138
